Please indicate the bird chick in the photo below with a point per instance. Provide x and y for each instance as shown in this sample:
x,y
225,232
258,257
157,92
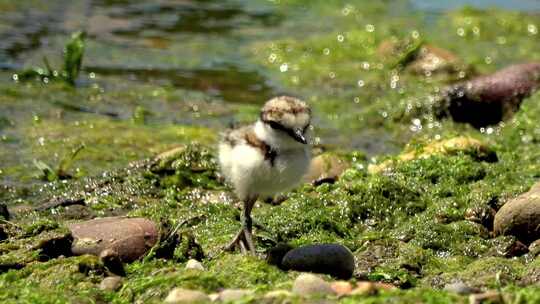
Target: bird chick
x,y
265,158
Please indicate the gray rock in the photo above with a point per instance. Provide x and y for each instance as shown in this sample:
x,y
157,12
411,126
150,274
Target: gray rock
x,y
231,295
111,283
333,259
181,296
131,238
308,284
459,288
520,216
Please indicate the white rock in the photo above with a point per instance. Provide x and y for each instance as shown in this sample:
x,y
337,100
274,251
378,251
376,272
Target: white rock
x,y
181,296
194,264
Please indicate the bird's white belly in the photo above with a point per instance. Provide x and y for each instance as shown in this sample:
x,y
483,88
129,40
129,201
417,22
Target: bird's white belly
x,y
253,175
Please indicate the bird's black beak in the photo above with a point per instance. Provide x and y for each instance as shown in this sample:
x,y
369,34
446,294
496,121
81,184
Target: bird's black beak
x,y
298,135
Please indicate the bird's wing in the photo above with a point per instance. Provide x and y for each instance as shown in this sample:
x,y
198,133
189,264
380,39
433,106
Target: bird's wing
x,y
237,136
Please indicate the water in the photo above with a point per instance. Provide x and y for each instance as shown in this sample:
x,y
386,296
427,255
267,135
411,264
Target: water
x,y
211,58
442,6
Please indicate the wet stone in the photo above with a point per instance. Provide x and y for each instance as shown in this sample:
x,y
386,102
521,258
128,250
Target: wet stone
x,y
308,284
181,296
130,238
520,216
497,96
333,259
113,283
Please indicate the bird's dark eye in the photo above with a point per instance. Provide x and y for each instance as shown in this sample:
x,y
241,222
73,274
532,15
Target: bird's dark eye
x,y
275,125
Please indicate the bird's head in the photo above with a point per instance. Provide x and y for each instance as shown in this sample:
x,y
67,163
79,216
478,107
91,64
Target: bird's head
x,y
286,118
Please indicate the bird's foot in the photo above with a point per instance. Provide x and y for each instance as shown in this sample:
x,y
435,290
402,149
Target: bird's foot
x,y
243,240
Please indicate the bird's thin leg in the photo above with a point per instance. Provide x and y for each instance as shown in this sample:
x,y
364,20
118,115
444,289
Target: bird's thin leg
x,y
244,238
247,224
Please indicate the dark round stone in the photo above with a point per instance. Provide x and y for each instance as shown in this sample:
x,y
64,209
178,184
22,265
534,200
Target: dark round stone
x,y
333,259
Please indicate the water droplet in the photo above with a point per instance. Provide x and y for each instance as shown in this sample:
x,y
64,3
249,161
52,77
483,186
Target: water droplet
x,y
340,38
41,141
365,65
15,77
460,32
476,31
346,10
488,60
360,83
532,29
92,75
326,51
272,58
356,99
332,75
415,34
284,68
370,28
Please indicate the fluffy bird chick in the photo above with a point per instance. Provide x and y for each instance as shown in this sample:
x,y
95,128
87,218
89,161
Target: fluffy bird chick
x,y
266,158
